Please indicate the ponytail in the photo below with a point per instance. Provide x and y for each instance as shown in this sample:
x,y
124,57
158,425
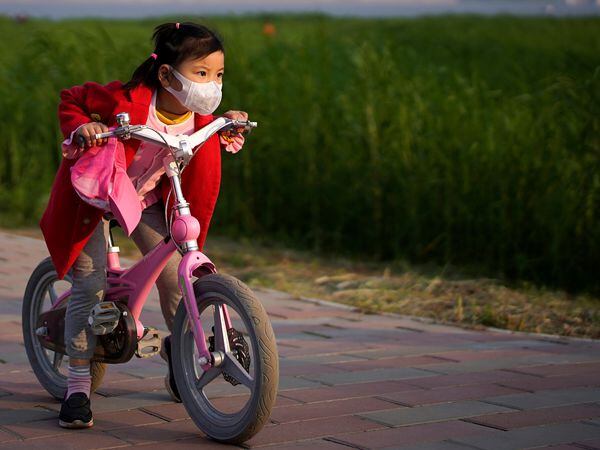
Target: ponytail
x,y
174,43
142,74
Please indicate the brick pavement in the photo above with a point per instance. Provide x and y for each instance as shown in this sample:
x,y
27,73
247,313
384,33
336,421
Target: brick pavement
x,y
347,381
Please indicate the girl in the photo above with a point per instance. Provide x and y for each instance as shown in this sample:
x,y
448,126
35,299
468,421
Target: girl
x,y
175,90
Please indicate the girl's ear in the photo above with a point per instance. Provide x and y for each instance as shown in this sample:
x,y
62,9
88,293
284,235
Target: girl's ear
x,y
166,78
164,75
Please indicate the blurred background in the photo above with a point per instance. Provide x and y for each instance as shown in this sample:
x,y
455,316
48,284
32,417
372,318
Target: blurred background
x,y
368,8
458,133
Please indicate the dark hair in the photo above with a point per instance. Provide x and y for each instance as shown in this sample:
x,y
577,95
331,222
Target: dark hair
x,y
174,43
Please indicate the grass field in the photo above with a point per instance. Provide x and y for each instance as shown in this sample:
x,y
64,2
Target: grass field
x,y
462,141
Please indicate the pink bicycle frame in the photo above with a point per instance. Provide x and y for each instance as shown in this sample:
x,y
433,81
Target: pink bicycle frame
x,y
135,282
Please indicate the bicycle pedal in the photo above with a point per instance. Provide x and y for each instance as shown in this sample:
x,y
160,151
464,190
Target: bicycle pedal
x,y
149,344
104,318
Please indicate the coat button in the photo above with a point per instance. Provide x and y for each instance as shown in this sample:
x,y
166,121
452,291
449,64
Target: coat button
x,y
86,220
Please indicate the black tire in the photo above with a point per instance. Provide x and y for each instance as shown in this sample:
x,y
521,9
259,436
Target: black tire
x,y
47,372
263,374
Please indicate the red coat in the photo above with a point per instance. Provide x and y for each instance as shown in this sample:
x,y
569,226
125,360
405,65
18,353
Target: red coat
x,y
68,222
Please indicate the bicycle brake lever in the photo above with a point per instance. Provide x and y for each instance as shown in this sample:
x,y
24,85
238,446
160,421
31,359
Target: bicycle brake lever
x,y
245,125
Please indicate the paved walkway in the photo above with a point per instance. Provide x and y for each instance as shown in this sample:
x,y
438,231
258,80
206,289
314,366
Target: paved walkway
x,y
347,380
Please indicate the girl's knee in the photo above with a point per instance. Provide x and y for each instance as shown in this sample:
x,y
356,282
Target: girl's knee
x,y
168,292
168,279
91,287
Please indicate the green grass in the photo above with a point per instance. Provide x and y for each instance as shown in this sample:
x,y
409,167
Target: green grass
x,y
467,141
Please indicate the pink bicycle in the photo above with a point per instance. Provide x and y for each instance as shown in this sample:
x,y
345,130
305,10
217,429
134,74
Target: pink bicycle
x,y
224,355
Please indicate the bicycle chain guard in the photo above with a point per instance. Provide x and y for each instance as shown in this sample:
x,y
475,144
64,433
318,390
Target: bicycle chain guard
x,y
119,345
116,347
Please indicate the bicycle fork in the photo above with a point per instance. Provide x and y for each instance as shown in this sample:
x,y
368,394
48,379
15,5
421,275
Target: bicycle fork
x,y
196,261
185,230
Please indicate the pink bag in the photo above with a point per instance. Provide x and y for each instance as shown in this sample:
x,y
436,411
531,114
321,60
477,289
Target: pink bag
x,y
100,178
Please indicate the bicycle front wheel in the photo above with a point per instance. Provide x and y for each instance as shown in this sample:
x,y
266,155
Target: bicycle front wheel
x,y
231,402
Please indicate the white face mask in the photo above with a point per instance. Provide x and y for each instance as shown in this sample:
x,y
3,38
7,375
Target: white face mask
x,y
203,98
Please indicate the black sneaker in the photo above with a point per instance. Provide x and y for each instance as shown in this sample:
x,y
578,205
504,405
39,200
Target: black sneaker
x,y
75,412
165,353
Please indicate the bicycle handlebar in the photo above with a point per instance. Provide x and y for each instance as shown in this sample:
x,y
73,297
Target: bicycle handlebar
x,y
181,143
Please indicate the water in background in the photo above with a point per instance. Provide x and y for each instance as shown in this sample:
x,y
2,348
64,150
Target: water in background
x,y
363,8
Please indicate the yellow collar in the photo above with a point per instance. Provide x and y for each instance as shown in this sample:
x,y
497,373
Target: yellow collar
x,y
170,118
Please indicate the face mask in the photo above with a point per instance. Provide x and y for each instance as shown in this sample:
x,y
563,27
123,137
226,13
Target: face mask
x,y
202,98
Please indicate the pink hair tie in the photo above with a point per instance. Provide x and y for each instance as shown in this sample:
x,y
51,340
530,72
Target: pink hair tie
x,y
154,55
177,25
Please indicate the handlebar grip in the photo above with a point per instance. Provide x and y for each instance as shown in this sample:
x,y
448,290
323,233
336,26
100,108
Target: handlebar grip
x,y
81,140
245,123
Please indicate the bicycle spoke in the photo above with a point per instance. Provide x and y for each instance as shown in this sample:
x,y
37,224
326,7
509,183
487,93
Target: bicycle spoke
x,y
57,360
236,370
221,338
207,377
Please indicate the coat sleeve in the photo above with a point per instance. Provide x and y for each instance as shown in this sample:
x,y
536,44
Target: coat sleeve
x,y
72,109
80,104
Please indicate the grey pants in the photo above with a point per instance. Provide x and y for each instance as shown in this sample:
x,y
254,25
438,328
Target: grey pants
x,y
89,280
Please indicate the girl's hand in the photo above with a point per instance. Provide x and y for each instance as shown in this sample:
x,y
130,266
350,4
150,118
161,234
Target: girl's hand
x,y
232,140
88,131
237,115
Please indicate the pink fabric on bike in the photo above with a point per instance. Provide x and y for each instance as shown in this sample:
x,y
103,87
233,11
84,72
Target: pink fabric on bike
x,y
99,177
69,149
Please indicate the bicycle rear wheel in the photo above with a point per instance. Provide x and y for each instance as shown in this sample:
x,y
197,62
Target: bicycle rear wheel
x,y
231,402
49,367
